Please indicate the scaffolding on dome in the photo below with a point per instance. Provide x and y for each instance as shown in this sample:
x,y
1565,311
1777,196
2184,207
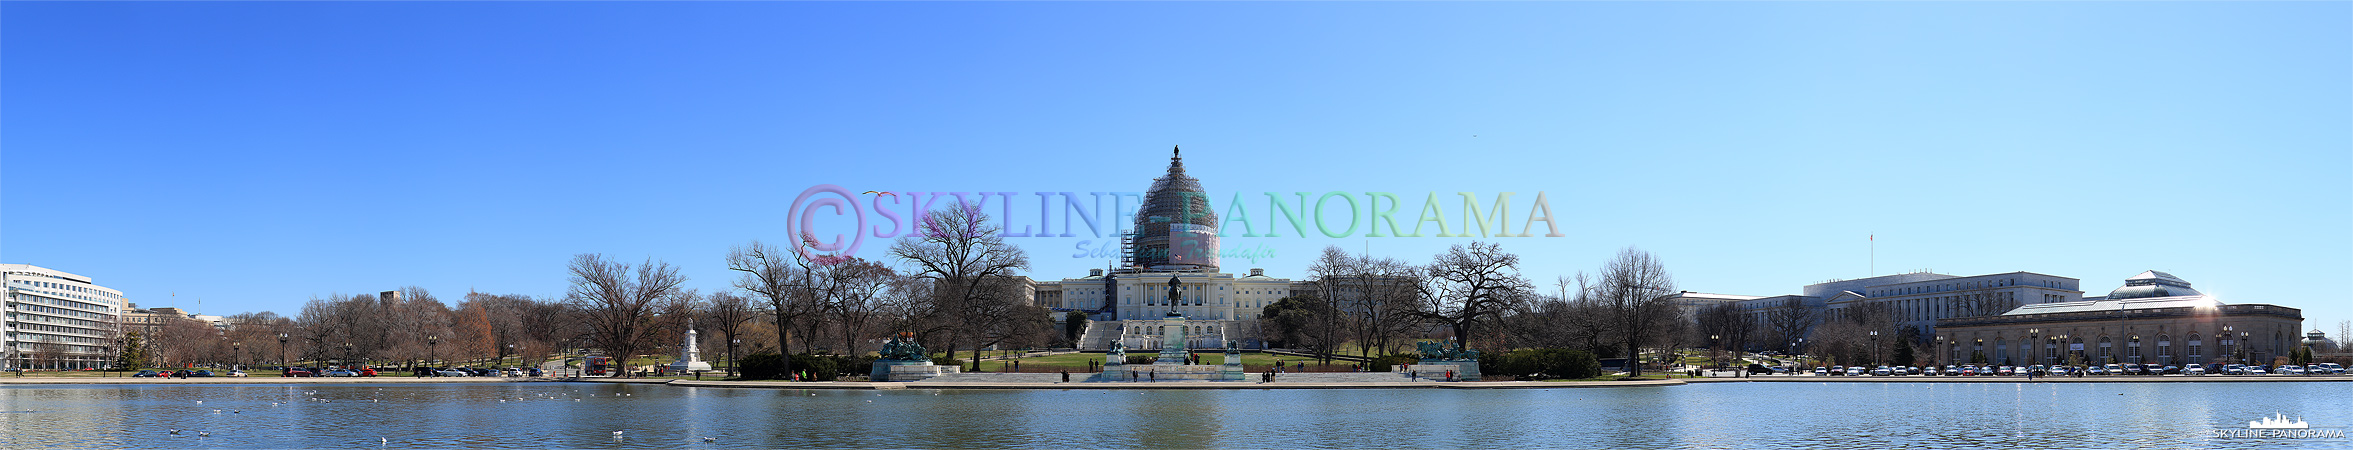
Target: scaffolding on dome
x,y
1176,229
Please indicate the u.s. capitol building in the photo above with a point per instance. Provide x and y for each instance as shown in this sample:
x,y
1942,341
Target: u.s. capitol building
x,y
1173,246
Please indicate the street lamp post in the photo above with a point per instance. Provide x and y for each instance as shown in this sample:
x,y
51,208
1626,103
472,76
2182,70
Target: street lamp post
x,y
347,355
2132,348
1874,347
283,359
2033,336
2246,357
1801,359
1979,349
731,343
2069,351
240,349
1716,348
502,356
1940,340
432,353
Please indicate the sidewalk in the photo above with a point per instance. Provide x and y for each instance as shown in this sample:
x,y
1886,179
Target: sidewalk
x,y
1287,381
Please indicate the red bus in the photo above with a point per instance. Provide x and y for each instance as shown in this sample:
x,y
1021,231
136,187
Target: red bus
x,y
598,366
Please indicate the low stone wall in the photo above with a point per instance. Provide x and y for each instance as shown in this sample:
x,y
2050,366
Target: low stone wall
x,y
1442,370
1168,372
909,370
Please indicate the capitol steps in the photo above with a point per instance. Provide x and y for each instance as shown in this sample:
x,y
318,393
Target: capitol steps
x,y
1098,336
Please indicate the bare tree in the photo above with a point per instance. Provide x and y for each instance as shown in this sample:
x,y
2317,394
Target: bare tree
x,y
616,305
1319,321
728,313
780,280
970,266
1301,322
858,286
1634,287
2344,332
1789,321
1982,304
1468,286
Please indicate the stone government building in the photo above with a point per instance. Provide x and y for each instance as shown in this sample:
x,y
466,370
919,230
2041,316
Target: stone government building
x,y
2023,318
2155,318
1174,240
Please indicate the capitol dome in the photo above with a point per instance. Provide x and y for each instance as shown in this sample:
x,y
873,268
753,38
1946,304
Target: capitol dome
x,y
2152,284
1175,227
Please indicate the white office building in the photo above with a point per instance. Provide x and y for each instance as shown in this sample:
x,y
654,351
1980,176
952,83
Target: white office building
x,y
56,320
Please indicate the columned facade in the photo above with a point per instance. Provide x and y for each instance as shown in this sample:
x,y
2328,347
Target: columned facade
x,y
57,321
2162,330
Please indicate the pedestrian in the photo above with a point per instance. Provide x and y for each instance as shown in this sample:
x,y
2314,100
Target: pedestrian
x,y
1155,376
1066,376
1017,365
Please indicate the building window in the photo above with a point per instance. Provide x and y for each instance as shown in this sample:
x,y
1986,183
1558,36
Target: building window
x,y
2104,346
2197,350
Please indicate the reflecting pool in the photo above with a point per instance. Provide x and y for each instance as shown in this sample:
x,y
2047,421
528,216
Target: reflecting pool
x,y
1732,415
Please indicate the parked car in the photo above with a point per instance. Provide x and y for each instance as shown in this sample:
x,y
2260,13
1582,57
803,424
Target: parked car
x,y
2194,370
298,372
452,373
2333,367
341,373
2257,370
200,374
147,374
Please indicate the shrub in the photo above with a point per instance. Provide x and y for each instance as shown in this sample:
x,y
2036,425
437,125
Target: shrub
x,y
762,366
1142,359
1382,364
1542,363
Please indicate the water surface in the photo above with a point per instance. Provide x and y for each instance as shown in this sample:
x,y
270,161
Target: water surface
x,y
1735,415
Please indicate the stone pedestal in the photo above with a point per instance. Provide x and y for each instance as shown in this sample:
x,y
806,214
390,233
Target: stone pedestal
x,y
1172,341
690,356
1437,369
885,370
1168,372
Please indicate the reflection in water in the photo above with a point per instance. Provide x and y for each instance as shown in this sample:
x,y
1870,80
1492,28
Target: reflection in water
x,y
584,415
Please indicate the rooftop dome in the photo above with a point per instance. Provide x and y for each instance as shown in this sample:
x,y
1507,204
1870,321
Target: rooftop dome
x,y
1175,228
2153,284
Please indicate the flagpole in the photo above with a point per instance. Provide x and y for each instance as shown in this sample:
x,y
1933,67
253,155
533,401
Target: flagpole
x,y
1874,254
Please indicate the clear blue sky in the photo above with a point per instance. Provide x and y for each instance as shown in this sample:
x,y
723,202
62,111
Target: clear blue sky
x,y
257,154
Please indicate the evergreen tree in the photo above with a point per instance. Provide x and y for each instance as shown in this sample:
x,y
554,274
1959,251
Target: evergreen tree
x,y
134,354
